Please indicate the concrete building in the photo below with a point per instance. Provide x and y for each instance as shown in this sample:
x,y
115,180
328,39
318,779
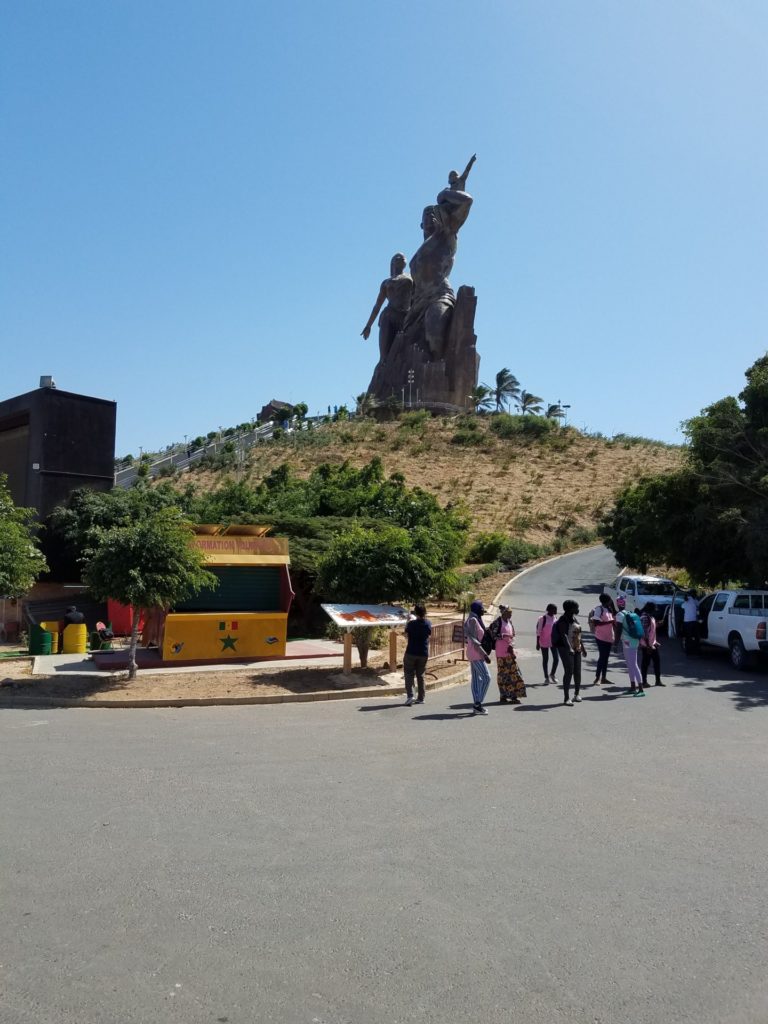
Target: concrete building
x,y
52,442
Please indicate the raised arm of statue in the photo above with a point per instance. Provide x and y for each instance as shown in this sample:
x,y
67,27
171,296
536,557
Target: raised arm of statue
x,y
381,299
460,184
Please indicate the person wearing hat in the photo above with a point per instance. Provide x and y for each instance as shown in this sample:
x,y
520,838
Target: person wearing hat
x,y
474,631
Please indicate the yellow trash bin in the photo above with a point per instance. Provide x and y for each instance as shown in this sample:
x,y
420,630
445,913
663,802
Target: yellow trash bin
x,y
53,629
76,639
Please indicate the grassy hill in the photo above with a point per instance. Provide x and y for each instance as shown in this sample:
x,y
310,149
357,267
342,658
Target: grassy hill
x,y
517,474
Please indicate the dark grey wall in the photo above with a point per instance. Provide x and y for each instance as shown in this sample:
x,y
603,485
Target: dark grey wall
x,y
69,442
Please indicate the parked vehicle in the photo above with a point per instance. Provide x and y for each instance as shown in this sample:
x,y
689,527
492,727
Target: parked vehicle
x,y
736,620
638,591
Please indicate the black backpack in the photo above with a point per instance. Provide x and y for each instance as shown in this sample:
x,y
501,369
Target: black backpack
x,y
490,636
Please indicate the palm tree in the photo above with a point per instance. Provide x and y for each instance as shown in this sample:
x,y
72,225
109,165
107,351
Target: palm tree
x,y
481,398
365,404
528,403
506,390
555,412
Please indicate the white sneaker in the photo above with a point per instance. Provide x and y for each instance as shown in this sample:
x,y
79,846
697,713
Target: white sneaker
x,y
408,701
577,700
568,703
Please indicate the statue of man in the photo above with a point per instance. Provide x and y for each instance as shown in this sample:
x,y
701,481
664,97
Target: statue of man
x,y
396,290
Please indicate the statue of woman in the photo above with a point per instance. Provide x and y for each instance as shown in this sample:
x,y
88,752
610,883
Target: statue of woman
x,y
429,316
396,291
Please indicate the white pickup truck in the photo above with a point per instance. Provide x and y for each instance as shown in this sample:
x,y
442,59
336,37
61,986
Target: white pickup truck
x,y
638,591
736,620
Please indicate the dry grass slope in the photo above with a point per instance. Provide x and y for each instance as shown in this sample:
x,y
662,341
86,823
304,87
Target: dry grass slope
x,y
527,487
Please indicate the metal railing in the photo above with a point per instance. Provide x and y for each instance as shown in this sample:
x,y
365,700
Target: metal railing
x,y
447,638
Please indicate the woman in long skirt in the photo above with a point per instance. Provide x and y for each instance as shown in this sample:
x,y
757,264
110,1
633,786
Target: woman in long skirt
x,y
508,674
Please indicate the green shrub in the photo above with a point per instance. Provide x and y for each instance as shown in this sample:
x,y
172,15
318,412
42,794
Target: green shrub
x,y
467,437
516,551
508,427
414,421
487,547
584,535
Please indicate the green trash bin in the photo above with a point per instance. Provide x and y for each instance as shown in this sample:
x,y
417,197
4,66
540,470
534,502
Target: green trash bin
x,y
40,640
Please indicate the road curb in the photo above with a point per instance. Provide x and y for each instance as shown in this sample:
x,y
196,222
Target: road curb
x,y
538,565
275,698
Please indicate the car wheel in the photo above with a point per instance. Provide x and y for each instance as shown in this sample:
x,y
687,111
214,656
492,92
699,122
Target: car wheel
x,y
737,652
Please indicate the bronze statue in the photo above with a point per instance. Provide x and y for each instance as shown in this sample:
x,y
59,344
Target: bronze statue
x,y
426,333
396,291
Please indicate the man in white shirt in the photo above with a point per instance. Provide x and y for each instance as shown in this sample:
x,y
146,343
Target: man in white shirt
x,y
691,623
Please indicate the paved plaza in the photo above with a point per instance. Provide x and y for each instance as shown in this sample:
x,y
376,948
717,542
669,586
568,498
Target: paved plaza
x,y
359,862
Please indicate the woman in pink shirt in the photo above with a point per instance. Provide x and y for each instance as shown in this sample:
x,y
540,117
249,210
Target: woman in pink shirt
x,y
508,674
601,620
544,642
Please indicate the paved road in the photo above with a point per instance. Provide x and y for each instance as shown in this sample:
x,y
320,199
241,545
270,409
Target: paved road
x,y
360,862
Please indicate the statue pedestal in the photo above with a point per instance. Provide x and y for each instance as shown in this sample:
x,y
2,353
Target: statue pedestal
x,y
440,385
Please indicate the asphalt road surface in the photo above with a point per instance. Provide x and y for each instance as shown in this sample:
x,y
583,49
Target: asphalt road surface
x,y
359,862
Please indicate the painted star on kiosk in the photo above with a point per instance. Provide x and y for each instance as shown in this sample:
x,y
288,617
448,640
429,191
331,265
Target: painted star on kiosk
x,y
228,643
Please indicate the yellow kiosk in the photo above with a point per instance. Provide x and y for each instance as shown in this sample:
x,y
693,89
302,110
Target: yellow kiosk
x,y
246,616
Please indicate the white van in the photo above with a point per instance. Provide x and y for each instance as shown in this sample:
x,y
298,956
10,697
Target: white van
x,y
736,620
638,591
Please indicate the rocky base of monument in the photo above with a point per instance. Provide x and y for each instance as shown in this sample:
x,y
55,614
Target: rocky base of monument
x,y
441,385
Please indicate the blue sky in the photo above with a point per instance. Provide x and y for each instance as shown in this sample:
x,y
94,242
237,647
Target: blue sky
x,y
200,199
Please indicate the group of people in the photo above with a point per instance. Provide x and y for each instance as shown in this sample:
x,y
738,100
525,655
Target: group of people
x,y
558,638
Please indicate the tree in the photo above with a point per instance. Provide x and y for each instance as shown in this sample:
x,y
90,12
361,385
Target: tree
x,y
555,411
20,560
384,565
365,404
148,563
300,410
505,390
711,516
480,398
528,403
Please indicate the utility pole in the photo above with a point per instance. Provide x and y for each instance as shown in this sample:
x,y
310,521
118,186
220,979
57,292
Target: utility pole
x,y
410,388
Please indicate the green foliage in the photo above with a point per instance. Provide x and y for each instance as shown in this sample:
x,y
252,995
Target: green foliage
x,y
388,564
148,563
505,389
20,560
486,547
529,426
517,551
414,422
480,398
710,517
528,403
467,438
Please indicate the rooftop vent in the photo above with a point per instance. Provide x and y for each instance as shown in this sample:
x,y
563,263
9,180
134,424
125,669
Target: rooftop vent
x,y
47,382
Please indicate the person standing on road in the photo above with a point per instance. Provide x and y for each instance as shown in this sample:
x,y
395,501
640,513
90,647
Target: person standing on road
x,y
649,645
566,637
544,642
474,630
418,630
508,674
629,630
601,620
691,623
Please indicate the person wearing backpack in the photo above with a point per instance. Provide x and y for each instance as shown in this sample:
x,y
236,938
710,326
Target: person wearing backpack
x,y
629,629
479,660
544,643
601,620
